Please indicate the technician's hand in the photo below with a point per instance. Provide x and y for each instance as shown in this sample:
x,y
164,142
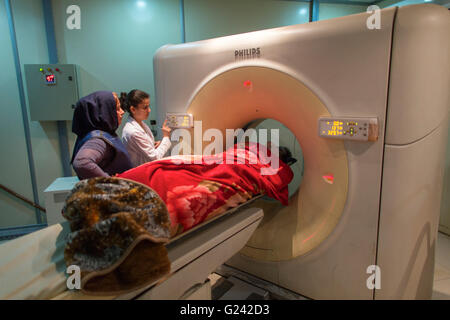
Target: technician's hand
x,y
165,129
157,143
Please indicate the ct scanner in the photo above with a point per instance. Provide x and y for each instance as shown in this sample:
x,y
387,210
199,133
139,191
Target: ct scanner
x,y
383,205
364,200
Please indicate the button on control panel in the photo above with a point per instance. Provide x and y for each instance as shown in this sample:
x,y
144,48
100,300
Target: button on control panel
x,y
179,120
358,129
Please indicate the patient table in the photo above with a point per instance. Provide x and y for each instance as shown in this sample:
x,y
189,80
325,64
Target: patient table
x,y
33,267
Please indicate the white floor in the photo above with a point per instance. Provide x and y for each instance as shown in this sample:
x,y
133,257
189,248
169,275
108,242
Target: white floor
x,y
441,287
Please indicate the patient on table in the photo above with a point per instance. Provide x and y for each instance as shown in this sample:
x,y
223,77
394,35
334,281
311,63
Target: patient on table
x,y
120,225
204,188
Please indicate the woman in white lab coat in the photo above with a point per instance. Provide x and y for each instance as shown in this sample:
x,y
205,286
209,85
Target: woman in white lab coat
x,y
136,135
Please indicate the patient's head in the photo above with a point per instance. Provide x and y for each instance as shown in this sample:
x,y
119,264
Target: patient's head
x,y
286,155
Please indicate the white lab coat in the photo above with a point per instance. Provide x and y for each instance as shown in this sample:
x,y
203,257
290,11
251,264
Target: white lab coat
x,y
140,143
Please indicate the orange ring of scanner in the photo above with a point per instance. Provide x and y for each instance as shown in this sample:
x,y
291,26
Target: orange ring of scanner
x,y
227,101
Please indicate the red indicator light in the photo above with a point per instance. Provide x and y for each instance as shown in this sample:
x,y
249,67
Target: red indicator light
x,y
57,69
329,178
50,79
247,83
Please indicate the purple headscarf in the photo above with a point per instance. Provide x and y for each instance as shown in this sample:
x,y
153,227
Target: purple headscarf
x,y
97,111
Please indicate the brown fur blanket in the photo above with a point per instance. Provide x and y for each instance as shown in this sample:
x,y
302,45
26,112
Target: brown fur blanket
x,y
118,231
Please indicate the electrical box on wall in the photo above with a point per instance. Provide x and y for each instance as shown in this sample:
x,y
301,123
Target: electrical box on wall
x,y
52,91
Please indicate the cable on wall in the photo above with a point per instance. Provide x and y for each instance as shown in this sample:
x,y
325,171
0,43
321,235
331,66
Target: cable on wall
x,y
53,59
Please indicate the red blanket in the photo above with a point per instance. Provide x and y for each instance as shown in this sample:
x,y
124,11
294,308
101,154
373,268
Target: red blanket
x,y
196,192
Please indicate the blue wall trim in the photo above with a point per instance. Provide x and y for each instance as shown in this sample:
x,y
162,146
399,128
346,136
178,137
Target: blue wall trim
x,y
50,31
352,3
313,10
182,22
53,58
347,2
26,124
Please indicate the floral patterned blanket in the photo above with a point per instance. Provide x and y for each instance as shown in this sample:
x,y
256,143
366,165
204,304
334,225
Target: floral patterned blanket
x,y
197,188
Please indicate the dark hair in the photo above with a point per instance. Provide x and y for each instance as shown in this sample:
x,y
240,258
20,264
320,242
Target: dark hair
x,y
133,98
286,155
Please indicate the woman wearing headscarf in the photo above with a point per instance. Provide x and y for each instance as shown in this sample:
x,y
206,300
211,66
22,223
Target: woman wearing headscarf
x,y
98,151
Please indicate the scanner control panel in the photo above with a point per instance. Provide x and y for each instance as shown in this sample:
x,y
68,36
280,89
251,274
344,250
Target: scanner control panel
x,y
179,120
359,129
52,90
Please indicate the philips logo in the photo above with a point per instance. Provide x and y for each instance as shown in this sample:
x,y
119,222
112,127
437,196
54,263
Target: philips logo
x,y
247,53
